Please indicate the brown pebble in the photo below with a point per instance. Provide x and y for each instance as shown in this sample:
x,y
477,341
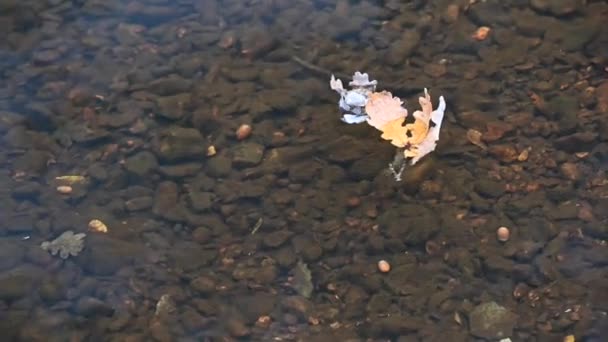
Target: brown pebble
x,y
384,266
98,226
481,33
353,201
243,132
64,189
263,321
570,171
502,234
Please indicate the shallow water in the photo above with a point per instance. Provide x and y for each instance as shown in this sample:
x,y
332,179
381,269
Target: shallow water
x,y
127,113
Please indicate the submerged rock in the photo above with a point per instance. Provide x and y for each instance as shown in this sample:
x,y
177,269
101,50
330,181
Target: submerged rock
x,y
492,321
178,143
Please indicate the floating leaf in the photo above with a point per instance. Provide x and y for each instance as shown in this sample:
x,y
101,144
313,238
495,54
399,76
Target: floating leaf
x,y
383,109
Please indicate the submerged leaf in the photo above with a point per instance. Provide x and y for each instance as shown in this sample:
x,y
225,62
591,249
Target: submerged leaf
x,y
302,280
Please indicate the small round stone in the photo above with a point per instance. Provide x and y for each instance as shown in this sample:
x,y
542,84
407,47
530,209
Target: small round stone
x,y
502,234
243,132
64,189
384,266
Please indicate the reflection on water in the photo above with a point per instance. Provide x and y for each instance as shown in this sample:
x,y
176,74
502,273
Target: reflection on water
x,y
127,112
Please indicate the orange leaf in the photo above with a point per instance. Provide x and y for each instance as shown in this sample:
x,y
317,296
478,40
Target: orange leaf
x,y
405,135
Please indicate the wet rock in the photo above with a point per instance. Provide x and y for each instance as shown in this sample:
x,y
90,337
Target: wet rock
x,y
265,274
415,229
307,247
141,163
369,166
51,290
491,321
173,107
91,307
170,85
236,326
193,321
490,14
87,136
343,27
32,162
139,203
201,201
558,7
202,235
28,190
20,224
395,325
189,256
16,286
46,57
247,154
303,172
576,142
180,170
597,229
564,109
256,305
570,171
276,239
189,65
298,305
285,256
204,285
219,166
104,255
10,254
489,188
38,256
601,94
529,24
257,42
178,143
564,211
403,48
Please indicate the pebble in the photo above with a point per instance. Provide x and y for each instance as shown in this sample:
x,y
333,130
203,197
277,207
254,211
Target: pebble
x,y
243,132
211,151
64,189
98,226
481,33
503,234
384,266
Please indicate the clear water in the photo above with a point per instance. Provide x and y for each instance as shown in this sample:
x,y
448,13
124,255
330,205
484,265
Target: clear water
x,y
126,113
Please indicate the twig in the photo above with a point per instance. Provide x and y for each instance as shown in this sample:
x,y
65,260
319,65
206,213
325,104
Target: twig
x,y
257,226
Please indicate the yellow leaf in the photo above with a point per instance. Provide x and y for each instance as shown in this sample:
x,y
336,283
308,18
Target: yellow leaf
x,y
395,133
71,179
405,135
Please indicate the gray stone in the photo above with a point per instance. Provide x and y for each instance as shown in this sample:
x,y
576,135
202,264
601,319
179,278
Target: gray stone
x,y
141,163
201,201
558,7
219,166
489,188
248,154
173,107
177,143
491,321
